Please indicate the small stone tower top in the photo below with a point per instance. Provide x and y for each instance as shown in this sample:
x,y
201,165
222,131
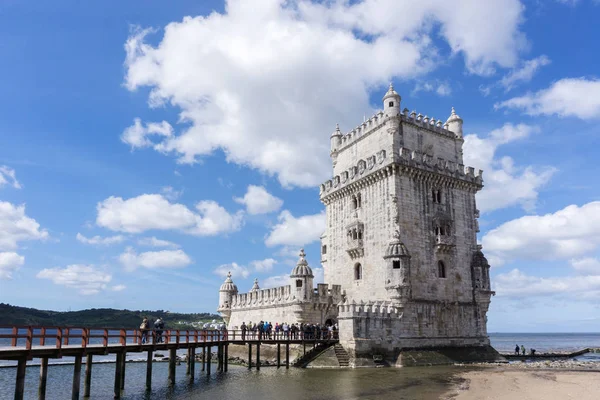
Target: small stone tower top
x,y
336,141
255,287
228,285
302,269
391,102
455,124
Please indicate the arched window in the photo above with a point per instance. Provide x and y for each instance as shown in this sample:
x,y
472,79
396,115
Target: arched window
x,y
391,104
441,269
354,203
358,200
439,196
436,196
358,271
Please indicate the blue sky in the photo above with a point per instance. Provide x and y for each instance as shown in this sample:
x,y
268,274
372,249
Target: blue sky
x,y
147,148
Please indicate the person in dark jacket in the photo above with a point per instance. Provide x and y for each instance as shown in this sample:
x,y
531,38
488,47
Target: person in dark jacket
x,y
159,325
243,327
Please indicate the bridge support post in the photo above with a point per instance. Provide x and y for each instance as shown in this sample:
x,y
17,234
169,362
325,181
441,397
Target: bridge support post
x,y
172,364
123,362
258,356
76,378
226,357
249,355
208,357
117,386
278,355
192,359
20,384
149,371
218,358
87,384
203,358
287,355
43,379
188,364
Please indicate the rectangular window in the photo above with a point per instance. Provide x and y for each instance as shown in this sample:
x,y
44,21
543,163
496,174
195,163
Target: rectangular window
x,y
396,264
324,249
298,283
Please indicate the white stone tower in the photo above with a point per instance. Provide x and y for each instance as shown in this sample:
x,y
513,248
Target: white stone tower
x,y
226,292
301,279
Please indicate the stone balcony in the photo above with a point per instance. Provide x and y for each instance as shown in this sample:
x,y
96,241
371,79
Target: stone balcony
x,y
444,243
355,248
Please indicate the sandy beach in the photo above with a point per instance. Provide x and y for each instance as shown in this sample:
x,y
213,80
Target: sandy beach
x,y
527,384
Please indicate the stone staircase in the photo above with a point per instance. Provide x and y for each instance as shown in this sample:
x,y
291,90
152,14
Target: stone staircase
x,y
342,355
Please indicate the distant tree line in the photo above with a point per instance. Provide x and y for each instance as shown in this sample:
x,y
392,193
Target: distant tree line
x,y
98,317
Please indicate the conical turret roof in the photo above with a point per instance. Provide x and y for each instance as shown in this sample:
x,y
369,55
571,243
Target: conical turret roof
x,y
453,117
396,248
228,285
302,269
391,92
255,287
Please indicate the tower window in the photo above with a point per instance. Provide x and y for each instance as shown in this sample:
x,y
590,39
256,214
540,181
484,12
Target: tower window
x,y
396,264
436,196
324,249
391,104
359,200
298,283
441,269
358,272
354,203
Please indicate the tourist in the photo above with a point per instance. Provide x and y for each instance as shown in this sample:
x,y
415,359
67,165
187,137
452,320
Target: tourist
x,y
533,352
159,325
523,349
286,330
243,331
517,350
144,328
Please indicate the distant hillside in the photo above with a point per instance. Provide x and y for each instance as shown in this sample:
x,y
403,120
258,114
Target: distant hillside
x,y
97,317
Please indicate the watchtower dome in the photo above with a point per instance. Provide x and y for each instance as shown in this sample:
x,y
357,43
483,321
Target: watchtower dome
x,y
391,102
302,278
226,292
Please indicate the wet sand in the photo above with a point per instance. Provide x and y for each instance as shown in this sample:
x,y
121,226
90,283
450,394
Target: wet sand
x,y
511,384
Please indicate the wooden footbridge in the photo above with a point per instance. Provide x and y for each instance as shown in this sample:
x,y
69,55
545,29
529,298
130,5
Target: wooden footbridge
x,y
25,343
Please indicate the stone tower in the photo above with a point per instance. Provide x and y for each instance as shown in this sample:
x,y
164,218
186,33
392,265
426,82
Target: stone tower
x,y
226,293
401,236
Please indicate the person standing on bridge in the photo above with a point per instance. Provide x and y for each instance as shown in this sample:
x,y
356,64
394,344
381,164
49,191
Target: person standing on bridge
x,y
243,327
159,325
523,349
517,350
144,328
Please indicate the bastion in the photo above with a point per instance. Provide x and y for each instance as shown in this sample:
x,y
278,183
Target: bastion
x,y
404,273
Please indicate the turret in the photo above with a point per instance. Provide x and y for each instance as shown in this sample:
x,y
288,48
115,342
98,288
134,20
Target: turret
x,y
301,279
391,102
336,142
455,124
226,292
255,287
397,281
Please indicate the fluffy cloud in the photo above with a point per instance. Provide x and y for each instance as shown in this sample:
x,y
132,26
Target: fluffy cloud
x,y
258,201
588,265
283,280
440,88
153,211
296,231
569,97
9,263
263,265
502,173
85,278
523,74
520,285
99,240
571,232
8,177
118,288
244,271
154,259
154,242
246,80
137,135
15,226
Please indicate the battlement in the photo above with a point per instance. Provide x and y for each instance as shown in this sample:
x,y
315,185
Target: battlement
x,y
377,120
283,295
408,158
378,309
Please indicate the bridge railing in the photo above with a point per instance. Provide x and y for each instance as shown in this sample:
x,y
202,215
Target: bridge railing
x,y
255,335
57,337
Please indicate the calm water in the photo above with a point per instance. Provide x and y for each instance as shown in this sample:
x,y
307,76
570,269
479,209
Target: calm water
x,y
271,383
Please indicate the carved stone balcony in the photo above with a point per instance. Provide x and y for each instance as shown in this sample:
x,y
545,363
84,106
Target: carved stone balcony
x,y
444,243
355,248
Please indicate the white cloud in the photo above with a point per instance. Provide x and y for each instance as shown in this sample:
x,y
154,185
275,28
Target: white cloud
x,y
8,177
234,268
520,285
258,201
154,259
170,193
523,74
153,211
441,88
500,174
155,242
118,288
99,240
588,265
569,97
15,226
9,263
85,278
571,232
246,81
263,265
137,135
284,280
296,231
